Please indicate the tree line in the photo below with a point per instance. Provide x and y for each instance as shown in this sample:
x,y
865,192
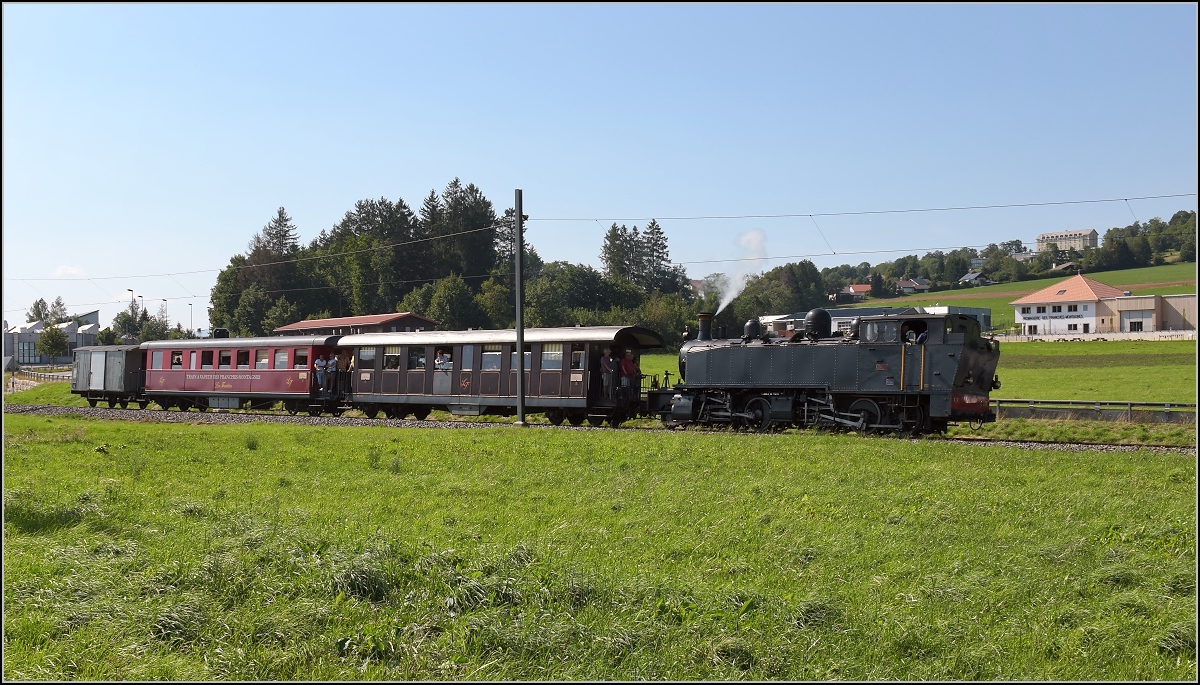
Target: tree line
x,y
452,260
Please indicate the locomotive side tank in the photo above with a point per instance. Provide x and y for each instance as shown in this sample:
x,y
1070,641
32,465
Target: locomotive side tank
x,y
905,373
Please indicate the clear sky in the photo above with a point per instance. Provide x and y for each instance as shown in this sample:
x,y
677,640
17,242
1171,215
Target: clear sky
x,y
145,145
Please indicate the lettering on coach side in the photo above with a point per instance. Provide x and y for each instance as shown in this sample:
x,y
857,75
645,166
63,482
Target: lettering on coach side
x,y
223,376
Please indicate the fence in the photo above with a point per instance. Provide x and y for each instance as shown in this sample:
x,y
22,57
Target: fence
x,y
1096,410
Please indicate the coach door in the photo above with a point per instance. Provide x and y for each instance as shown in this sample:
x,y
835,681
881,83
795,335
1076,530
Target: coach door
x,y
550,372
489,370
96,375
513,366
416,369
465,368
577,381
390,375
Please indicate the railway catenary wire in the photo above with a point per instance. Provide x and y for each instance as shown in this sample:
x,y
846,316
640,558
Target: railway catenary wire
x,y
242,417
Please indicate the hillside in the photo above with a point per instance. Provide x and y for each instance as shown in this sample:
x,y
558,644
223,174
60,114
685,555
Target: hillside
x,y
1169,279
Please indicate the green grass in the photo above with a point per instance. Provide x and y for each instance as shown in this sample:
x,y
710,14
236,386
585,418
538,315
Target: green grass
x,y
261,552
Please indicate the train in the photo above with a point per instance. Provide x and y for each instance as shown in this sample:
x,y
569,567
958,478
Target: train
x,y
910,373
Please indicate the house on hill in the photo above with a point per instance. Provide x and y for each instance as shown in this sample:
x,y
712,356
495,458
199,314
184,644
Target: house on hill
x,y
1080,305
975,278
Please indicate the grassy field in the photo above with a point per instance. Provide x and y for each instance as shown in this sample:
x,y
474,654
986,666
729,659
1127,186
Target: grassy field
x,y
1169,279
261,552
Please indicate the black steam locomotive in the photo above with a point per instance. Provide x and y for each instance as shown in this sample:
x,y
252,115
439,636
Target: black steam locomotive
x,y
912,373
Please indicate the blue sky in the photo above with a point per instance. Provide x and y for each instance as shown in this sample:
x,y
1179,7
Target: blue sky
x,y
144,145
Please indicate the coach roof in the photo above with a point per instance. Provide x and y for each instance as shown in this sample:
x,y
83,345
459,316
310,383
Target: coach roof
x,y
644,336
266,341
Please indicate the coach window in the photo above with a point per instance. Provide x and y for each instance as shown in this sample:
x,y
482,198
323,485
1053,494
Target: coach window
x,y
416,358
260,359
280,359
552,356
577,356
243,359
206,359
366,357
468,354
156,359
443,359
177,359
491,358
223,359
391,358
300,358
512,361
192,360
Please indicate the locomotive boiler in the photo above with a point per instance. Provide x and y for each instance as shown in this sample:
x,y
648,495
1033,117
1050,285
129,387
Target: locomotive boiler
x,y
909,373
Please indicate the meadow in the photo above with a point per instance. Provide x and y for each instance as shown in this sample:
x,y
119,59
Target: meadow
x,y
266,552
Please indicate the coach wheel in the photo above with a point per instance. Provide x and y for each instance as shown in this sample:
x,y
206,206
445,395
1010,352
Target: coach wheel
x,y
314,412
142,404
371,411
124,403
291,408
596,421
575,419
615,420
91,403
183,405
420,413
868,413
201,406
555,416
759,409
336,412
112,403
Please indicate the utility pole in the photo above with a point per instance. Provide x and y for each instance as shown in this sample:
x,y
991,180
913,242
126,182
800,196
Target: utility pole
x,y
520,296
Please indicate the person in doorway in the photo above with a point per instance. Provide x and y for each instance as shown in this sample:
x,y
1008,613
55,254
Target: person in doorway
x,y
606,372
345,363
320,365
629,370
331,374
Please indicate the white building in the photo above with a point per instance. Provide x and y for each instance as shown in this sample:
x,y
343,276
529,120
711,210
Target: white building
x,y
1080,305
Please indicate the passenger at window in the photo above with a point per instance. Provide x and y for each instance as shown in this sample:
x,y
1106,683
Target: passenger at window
x,y
345,363
442,361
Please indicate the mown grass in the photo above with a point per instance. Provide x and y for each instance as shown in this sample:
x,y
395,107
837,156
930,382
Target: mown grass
x,y
261,552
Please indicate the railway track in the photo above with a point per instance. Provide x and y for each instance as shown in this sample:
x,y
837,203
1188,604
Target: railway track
x,y
230,417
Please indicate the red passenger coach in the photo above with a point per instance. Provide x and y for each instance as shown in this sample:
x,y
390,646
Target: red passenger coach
x,y
235,373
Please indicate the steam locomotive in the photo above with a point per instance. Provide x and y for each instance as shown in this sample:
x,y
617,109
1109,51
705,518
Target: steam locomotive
x,y
911,373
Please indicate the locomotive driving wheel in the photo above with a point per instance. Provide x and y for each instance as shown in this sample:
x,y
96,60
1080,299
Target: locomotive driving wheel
x,y
759,414
868,413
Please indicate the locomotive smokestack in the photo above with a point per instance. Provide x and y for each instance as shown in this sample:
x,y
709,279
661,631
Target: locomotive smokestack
x,y
705,328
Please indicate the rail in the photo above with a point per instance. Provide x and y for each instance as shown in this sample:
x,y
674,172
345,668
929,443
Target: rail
x,y
1097,405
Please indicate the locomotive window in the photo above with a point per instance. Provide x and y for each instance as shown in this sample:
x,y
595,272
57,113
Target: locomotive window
x,y
391,358
223,359
243,359
416,359
468,352
577,356
280,359
366,357
552,356
512,361
300,358
869,331
156,359
260,359
888,332
491,358
206,359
